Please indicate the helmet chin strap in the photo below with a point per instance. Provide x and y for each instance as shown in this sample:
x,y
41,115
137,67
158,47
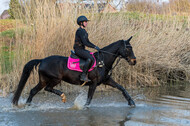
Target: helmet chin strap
x,y
83,25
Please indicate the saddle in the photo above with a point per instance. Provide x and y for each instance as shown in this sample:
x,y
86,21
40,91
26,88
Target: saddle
x,y
77,64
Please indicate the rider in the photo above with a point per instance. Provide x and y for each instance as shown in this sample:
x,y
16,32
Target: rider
x,y
81,40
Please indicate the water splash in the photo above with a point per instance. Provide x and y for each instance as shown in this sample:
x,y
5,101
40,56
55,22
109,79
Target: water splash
x,y
80,100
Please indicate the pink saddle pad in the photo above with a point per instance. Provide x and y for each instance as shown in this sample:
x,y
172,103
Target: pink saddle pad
x,y
74,64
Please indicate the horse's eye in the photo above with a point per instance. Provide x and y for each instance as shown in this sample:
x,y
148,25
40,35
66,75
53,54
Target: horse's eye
x,y
129,49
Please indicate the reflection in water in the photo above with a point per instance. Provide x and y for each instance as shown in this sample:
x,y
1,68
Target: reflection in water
x,y
159,106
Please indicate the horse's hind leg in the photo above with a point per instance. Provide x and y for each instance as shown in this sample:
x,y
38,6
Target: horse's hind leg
x,y
49,88
33,92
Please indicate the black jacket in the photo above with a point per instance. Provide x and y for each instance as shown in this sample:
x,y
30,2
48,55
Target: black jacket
x,y
81,39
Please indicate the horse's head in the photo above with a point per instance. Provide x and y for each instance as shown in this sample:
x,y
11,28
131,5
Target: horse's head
x,y
126,51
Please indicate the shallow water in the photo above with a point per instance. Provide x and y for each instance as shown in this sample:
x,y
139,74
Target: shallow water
x,y
160,106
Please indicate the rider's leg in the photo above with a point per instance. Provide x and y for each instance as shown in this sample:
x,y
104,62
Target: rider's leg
x,y
85,54
84,75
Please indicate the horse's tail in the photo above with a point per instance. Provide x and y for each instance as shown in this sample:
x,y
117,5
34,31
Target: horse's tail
x,y
25,75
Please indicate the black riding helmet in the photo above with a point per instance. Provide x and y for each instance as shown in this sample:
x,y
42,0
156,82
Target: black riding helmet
x,y
81,19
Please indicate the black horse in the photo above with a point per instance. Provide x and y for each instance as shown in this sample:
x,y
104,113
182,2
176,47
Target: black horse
x,y
53,69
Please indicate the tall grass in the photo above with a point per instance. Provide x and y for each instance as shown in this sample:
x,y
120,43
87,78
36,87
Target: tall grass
x,y
160,43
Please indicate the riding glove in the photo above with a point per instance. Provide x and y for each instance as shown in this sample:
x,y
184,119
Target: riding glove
x,y
97,48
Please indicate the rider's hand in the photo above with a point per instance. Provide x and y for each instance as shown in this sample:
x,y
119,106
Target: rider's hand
x,y
97,48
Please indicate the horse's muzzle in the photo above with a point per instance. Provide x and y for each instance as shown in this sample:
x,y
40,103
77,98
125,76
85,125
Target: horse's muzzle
x,y
132,61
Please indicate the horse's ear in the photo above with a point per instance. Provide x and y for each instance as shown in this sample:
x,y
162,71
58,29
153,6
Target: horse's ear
x,y
130,39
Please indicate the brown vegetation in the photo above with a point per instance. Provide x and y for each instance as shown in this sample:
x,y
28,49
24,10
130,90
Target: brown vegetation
x,y
6,25
174,7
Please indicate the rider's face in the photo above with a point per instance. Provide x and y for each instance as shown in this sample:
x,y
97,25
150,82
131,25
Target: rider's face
x,y
85,23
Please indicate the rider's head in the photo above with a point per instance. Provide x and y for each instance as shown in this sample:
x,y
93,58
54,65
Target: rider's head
x,y
81,20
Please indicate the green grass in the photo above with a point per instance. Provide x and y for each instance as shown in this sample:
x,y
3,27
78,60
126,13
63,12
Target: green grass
x,y
8,37
8,33
6,54
6,58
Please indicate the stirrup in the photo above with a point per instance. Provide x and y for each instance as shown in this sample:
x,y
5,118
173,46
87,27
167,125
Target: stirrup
x,y
85,80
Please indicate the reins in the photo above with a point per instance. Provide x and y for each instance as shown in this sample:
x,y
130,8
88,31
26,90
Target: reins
x,y
108,52
110,71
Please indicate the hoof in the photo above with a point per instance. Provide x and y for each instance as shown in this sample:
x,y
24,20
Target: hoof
x,y
131,103
27,104
63,98
86,107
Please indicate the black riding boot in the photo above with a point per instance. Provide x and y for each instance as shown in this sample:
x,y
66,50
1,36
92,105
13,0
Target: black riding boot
x,y
84,75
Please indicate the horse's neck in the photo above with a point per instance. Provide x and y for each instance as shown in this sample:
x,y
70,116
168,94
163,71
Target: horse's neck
x,y
110,57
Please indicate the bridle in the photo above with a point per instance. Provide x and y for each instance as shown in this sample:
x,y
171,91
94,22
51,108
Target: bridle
x,y
125,48
128,45
120,57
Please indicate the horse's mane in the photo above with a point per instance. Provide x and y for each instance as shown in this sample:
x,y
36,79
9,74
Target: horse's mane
x,y
114,44
109,48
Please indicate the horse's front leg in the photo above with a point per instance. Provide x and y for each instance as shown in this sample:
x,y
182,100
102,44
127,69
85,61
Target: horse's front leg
x,y
113,84
91,91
